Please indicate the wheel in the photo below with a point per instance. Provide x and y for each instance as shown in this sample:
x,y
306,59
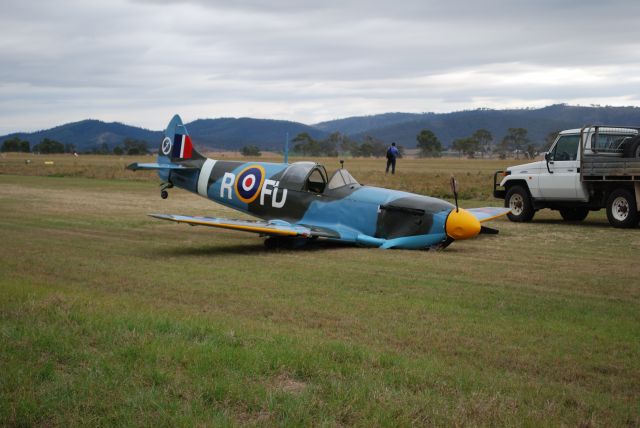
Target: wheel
x,y
519,201
164,194
574,214
621,209
632,148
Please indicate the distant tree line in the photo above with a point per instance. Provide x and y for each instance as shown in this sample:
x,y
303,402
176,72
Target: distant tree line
x,y
479,143
515,142
337,143
129,146
16,144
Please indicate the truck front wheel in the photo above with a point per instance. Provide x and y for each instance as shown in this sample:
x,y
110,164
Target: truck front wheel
x,y
519,201
574,214
621,209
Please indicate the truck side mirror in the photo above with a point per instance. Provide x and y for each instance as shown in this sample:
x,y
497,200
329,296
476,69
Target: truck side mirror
x,y
548,158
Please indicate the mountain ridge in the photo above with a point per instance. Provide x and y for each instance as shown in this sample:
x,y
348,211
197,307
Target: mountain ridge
x,y
234,133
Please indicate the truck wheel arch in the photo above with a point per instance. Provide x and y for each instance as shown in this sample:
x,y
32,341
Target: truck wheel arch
x,y
622,210
519,182
518,193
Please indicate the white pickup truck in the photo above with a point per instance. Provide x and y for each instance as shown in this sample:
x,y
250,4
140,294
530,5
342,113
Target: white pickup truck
x,y
585,170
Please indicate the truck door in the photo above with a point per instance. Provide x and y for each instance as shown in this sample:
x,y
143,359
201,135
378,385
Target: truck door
x,y
564,178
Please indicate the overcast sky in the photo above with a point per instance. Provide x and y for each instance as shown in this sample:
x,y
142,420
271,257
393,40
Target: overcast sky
x,y
140,61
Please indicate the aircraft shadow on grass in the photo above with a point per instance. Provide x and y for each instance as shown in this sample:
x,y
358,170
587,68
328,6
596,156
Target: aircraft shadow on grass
x,y
253,249
299,202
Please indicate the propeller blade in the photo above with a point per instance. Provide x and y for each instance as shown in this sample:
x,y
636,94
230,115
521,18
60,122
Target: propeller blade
x,y
454,189
489,230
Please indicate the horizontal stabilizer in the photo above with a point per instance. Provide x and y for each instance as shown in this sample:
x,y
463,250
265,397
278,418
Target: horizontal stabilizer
x,y
274,228
154,166
488,213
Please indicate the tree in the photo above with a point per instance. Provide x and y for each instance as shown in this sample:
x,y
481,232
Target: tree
x,y
306,145
531,151
251,150
469,146
372,146
484,139
135,147
103,149
117,150
16,144
515,139
49,146
428,144
349,146
366,148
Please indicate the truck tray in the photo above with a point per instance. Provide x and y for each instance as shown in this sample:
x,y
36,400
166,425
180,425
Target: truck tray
x,y
608,168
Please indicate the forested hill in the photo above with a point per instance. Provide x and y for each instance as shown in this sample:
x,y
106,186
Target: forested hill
x,y
232,133
89,134
224,133
403,128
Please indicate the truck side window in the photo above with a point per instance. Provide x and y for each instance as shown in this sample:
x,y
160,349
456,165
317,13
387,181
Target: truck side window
x,y
566,148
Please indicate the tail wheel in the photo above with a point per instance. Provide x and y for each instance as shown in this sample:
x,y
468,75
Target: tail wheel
x,y
621,209
519,201
574,214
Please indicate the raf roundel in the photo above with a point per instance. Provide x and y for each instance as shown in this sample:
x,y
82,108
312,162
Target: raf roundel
x,y
249,182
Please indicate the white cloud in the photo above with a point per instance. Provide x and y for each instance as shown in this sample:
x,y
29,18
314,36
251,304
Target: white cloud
x,y
140,61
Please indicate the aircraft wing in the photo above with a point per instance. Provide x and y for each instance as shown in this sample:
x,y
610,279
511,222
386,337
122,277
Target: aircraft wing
x,y
488,213
272,227
137,166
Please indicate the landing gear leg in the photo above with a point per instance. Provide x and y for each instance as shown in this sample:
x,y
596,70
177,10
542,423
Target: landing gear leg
x,y
163,189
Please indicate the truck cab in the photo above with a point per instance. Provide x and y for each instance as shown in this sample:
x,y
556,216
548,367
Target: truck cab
x,y
578,174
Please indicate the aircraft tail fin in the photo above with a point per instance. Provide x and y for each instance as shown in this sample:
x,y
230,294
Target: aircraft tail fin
x,y
176,152
176,146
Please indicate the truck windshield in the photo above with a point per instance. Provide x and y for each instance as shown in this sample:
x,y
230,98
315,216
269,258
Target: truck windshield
x,y
566,148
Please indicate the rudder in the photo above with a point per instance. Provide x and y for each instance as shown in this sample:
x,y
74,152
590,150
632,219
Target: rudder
x,y
176,145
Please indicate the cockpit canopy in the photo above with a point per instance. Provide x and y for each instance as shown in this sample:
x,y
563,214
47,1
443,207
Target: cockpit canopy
x,y
312,177
341,178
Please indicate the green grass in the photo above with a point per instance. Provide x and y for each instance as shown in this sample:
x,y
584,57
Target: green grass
x,y
108,317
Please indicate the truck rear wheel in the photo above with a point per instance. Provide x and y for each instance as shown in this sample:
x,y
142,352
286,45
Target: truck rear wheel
x,y
621,209
519,201
574,214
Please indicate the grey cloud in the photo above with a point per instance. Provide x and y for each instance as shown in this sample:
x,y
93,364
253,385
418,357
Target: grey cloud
x,y
131,60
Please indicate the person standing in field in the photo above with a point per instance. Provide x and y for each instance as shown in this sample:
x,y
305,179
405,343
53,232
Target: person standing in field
x,y
392,155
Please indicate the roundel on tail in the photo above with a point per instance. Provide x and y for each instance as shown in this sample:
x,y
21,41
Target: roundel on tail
x,y
249,182
167,144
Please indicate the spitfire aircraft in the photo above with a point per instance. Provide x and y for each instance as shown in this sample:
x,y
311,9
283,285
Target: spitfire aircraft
x,y
298,202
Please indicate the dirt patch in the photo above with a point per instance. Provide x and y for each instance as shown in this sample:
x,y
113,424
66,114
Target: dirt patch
x,y
286,383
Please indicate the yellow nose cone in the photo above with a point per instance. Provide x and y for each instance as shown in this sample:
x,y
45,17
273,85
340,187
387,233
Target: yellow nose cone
x,y
462,225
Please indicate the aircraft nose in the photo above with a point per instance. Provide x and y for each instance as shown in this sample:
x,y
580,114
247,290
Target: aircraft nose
x,y
461,224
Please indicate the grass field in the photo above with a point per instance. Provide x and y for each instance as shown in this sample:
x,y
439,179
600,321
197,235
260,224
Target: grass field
x,y
108,317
